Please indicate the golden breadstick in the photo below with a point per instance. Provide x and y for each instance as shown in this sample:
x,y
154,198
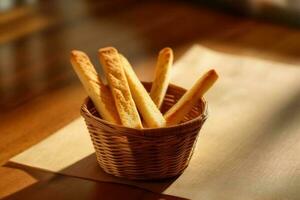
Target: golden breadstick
x,y
188,100
98,92
162,76
146,106
110,60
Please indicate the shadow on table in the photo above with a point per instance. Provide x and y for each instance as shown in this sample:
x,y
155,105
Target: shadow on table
x,y
88,168
56,186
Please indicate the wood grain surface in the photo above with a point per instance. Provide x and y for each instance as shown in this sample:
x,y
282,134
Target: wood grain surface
x,y
40,93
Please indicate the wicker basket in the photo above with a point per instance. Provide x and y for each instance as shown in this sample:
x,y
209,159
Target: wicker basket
x,y
145,154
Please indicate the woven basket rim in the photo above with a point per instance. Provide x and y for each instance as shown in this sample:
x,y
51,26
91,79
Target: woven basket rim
x,y
201,117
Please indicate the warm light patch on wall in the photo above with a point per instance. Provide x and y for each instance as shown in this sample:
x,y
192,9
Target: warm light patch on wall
x,y
258,5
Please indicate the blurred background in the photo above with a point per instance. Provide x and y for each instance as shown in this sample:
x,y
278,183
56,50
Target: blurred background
x,y
36,36
278,11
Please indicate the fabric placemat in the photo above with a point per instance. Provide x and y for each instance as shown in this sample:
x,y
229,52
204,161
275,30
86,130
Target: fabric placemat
x,y
248,148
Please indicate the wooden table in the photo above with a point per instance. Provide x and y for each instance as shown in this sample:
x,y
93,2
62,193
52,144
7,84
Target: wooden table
x,y
40,93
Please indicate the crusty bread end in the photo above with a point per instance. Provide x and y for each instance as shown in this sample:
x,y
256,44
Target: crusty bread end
x,y
162,76
97,91
146,106
188,100
110,60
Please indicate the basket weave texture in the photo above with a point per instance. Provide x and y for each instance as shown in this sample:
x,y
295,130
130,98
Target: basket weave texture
x,y
150,153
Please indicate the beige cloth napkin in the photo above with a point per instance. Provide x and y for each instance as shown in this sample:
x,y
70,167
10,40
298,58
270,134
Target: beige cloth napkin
x,y
249,148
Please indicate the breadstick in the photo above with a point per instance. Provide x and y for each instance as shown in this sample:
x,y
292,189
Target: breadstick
x,y
146,106
97,91
188,100
117,81
162,76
